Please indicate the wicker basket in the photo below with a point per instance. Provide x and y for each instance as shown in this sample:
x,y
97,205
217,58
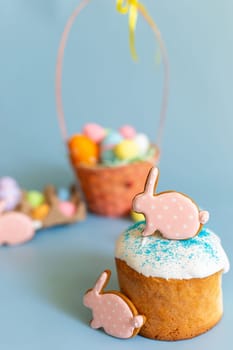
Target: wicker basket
x,y
109,190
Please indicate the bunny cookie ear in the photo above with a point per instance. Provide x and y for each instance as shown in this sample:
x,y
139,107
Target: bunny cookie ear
x,y
152,180
102,281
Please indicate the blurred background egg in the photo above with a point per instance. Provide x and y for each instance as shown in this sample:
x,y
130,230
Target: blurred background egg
x,y
35,198
143,143
127,131
63,194
10,193
126,150
83,150
111,139
94,132
136,217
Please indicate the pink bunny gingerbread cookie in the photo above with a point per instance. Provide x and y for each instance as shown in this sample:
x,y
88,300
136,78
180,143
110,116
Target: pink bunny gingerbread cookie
x,y
15,228
112,310
173,214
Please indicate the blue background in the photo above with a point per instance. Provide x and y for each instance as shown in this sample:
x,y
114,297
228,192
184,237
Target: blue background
x,y
42,282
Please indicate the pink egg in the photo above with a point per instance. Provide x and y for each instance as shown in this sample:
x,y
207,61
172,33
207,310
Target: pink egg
x,y
67,208
127,131
94,131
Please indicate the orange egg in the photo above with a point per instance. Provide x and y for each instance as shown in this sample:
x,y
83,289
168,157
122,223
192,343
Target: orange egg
x,y
83,150
40,212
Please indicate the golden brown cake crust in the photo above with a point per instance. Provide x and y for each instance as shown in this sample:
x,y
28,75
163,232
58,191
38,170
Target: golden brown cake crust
x,y
174,309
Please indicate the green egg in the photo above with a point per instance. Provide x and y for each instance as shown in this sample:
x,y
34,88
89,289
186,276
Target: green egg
x,y
35,198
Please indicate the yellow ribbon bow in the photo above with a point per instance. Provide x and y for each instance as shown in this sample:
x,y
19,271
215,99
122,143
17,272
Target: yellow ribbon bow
x,y
130,7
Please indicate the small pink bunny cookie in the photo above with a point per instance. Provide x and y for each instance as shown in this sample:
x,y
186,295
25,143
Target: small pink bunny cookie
x,y
173,214
112,311
15,228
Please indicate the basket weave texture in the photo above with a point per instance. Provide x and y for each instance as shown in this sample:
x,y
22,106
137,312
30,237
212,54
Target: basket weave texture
x,y
109,190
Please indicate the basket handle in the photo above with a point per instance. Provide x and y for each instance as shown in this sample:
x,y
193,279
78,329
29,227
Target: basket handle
x,y
59,67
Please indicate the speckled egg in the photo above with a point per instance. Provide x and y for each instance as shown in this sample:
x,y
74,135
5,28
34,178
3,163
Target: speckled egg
x,y
83,150
143,143
94,132
107,145
108,156
127,131
111,139
126,149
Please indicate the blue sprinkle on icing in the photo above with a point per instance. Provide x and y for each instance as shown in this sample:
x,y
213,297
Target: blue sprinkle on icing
x,y
199,256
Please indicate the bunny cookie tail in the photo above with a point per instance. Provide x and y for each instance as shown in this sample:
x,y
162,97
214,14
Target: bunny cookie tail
x,y
204,217
138,321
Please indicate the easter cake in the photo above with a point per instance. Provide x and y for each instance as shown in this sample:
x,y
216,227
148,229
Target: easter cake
x,y
111,166
170,266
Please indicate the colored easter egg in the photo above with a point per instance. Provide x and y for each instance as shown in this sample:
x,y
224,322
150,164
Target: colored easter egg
x,y
94,132
10,193
40,212
83,150
143,143
108,156
35,198
125,150
63,194
128,132
111,139
8,182
68,209
136,217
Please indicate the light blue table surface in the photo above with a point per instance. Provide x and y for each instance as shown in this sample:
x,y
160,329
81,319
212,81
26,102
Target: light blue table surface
x,y
43,281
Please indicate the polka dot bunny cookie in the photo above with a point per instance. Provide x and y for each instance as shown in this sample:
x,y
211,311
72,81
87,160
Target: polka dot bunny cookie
x,y
15,228
172,213
112,311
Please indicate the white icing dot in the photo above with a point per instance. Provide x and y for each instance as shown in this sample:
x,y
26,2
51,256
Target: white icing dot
x,y
109,302
151,224
181,208
168,227
185,226
113,310
165,207
109,317
113,326
175,217
191,217
153,207
177,235
116,304
159,216
119,318
173,200
151,182
160,199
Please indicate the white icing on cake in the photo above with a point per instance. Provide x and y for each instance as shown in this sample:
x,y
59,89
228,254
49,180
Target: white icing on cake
x,y
155,256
